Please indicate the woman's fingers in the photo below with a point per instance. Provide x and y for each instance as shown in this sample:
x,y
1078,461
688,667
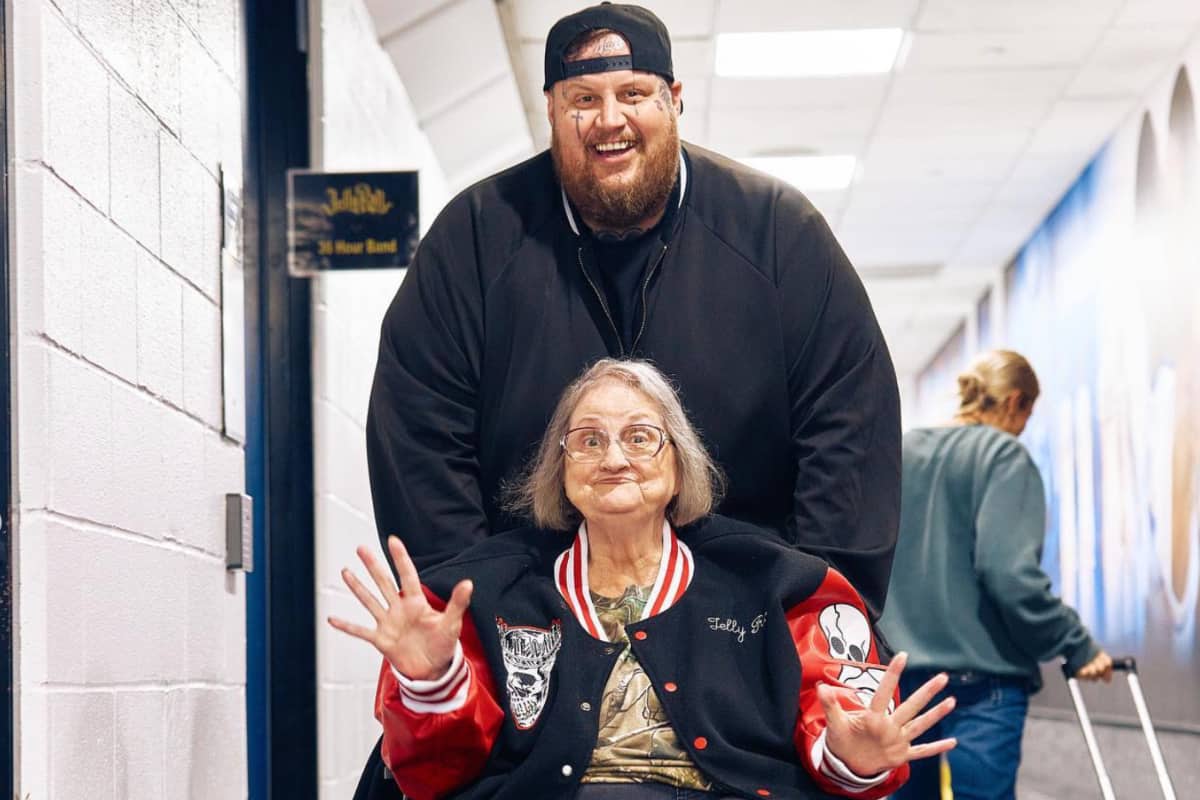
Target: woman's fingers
x,y
930,718
379,574
835,715
460,599
357,631
916,701
364,595
410,583
889,682
931,749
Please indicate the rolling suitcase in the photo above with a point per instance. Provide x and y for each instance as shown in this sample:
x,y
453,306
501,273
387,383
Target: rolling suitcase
x,y
1128,665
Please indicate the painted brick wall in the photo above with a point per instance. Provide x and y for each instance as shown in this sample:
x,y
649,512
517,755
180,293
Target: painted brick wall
x,y
362,120
131,635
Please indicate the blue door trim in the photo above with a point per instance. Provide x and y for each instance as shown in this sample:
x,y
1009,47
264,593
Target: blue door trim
x,y
281,712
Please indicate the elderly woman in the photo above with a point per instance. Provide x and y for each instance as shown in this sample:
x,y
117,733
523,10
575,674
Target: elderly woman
x,y
659,652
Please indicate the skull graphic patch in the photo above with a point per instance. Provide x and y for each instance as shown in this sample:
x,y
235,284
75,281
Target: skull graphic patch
x,y
849,636
529,655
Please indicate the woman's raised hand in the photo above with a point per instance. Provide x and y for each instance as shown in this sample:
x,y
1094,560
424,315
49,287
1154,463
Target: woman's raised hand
x,y
870,740
416,639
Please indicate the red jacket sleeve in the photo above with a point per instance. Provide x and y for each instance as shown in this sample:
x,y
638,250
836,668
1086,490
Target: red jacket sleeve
x,y
835,645
438,742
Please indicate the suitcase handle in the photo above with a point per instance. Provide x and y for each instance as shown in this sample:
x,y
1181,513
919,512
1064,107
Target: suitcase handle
x,y
1122,664
1127,664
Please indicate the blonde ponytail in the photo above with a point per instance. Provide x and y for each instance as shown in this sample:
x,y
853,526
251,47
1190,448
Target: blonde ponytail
x,y
991,378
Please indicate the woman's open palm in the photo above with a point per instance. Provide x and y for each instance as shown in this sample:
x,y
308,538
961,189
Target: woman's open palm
x,y
870,740
418,640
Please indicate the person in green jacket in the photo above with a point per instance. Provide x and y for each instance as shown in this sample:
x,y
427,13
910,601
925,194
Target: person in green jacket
x,y
967,594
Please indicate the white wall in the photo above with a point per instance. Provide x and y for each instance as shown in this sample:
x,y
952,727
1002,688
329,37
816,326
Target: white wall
x,y
130,634
363,120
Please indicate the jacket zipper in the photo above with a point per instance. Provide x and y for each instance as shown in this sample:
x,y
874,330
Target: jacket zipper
x,y
646,285
603,302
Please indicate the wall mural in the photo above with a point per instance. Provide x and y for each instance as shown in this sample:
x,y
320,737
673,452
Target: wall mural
x,y
1105,301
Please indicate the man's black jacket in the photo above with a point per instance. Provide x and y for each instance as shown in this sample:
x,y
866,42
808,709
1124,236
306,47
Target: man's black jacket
x,y
751,307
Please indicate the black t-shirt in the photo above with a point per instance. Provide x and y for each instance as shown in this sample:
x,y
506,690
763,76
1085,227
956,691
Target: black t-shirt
x,y
622,265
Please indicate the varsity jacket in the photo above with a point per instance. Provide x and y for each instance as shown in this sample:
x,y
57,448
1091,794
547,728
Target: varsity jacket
x,y
750,306
737,632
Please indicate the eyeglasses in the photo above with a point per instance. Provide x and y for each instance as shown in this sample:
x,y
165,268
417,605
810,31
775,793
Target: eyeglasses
x,y
638,442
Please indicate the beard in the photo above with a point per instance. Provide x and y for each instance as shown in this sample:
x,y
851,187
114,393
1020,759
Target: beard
x,y
627,204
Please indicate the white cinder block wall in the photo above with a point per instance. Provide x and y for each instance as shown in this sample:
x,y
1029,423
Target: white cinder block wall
x,y
362,121
131,635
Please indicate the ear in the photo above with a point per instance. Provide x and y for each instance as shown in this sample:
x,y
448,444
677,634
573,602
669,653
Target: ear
x,y
1014,404
550,105
677,96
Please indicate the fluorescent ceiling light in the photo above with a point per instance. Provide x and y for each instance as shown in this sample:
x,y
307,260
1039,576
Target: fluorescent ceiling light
x,y
808,173
796,53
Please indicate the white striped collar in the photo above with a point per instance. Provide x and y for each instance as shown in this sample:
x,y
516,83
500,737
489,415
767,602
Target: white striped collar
x,y
675,571
682,190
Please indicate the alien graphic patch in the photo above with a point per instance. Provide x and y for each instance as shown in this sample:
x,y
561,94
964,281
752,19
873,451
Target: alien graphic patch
x,y
529,653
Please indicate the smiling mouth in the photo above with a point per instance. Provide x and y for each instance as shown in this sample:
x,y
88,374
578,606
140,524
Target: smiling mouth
x,y
610,149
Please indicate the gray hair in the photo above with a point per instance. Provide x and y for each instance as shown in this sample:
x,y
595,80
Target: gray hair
x,y
541,493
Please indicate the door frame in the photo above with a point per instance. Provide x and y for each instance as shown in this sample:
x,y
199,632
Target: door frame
x,y
281,664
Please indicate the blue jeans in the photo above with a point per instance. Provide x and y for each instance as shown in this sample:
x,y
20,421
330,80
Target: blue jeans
x,y
987,721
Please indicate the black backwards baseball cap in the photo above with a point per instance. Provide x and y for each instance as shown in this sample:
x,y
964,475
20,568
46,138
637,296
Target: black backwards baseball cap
x,y
649,43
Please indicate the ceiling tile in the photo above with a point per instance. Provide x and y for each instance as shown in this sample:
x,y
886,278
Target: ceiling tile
x,y
539,129
533,73
897,216
983,247
961,119
692,59
901,221
922,295
455,133
927,193
469,50
1025,86
1154,12
696,94
869,248
996,143
390,16
939,51
892,317
1128,61
922,194
925,335
807,15
930,165
693,127
1041,181
1000,233
501,157
860,92
1014,15
1078,128
789,132
829,203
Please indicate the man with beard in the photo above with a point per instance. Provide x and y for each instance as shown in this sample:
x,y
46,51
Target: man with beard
x,y
621,241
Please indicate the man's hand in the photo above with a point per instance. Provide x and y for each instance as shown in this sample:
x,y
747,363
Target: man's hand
x,y
1099,668
871,741
418,641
